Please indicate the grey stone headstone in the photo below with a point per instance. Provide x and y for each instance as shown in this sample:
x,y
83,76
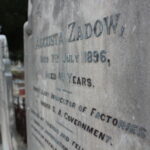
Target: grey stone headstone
x,y
6,105
87,67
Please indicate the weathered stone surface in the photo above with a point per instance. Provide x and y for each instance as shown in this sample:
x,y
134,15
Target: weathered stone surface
x,y
88,74
6,105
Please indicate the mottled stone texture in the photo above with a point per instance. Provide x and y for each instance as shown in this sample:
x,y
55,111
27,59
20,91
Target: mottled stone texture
x,y
88,74
6,104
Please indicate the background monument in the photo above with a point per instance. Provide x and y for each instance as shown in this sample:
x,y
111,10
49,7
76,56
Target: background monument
x,y
6,102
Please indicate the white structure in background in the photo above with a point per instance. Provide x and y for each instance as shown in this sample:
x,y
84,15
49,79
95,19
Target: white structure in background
x,y
18,83
18,68
6,105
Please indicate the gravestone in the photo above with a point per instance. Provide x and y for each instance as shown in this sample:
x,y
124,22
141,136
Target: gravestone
x,y
87,67
6,105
